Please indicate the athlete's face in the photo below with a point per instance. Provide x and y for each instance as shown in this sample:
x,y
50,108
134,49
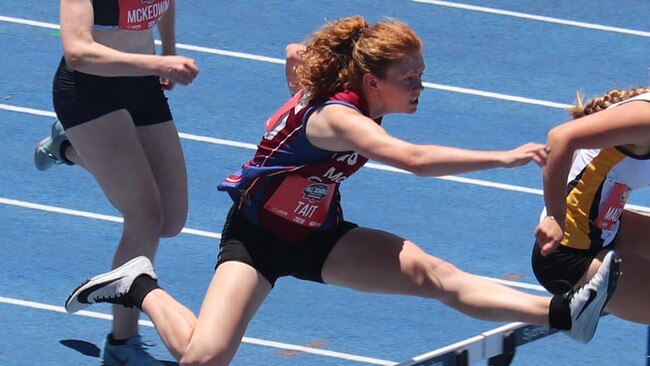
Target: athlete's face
x,y
400,89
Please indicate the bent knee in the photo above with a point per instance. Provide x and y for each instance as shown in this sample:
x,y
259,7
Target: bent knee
x,y
175,217
147,219
171,227
207,354
204,360
431,276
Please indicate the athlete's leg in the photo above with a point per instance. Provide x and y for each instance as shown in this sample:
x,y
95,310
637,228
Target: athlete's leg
x,y
376,261
235,293
163,150
110,149
632,298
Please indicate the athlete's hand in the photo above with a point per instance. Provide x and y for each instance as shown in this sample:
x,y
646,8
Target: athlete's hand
x,y
166,84
548,235
178,69
523,155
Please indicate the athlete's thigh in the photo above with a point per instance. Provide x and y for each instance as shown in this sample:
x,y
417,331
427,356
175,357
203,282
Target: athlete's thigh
x,y
163,150
631,241
632,297
376,261
110,149
236,292
633,234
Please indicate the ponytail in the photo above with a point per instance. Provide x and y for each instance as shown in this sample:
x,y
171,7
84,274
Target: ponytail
x,y
581,109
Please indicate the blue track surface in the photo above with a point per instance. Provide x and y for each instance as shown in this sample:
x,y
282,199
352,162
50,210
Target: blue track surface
x,y
483,229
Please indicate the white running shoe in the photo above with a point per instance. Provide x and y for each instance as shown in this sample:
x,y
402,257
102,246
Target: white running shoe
x,y
110,287
587,302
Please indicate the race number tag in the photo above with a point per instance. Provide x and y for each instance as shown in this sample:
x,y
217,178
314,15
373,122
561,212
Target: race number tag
x,y
302,201
613,207
141,14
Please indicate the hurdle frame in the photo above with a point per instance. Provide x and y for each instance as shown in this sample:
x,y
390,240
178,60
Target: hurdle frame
x,y
497,346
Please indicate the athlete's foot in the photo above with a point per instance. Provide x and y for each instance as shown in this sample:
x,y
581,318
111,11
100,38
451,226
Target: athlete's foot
x,y
110,287
50,150
131,353
587,302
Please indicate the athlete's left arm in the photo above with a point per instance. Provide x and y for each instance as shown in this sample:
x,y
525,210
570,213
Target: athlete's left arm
x,y
167,30
293,58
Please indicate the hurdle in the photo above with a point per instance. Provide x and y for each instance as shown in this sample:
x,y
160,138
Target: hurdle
x,y
497,346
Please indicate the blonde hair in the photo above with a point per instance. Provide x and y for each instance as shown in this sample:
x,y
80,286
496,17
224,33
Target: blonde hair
x,y
581,109
340,53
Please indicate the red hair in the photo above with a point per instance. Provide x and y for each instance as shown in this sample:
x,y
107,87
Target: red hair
x,y
340,53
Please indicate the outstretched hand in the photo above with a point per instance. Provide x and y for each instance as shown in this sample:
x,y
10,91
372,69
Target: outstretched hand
x,y
523,154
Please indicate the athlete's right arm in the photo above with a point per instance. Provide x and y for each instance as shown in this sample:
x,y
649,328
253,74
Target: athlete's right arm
x,y
83,53
340,128
627,124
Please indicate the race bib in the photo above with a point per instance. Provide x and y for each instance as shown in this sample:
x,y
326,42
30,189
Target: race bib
x,y
613,207
302,201
141,14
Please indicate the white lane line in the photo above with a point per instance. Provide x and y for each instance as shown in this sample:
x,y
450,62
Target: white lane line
x,y
484,183
217,141
92,215
453,178
208,234
188,47
376,166
256,341
36,112
32,23
510,98
540,18
249,56
214,51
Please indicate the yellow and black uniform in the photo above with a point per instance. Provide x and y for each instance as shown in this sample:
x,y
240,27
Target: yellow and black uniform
x,y
599,184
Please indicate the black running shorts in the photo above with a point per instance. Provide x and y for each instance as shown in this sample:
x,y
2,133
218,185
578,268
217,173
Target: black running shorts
x,y
80,97
561,269
246,242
